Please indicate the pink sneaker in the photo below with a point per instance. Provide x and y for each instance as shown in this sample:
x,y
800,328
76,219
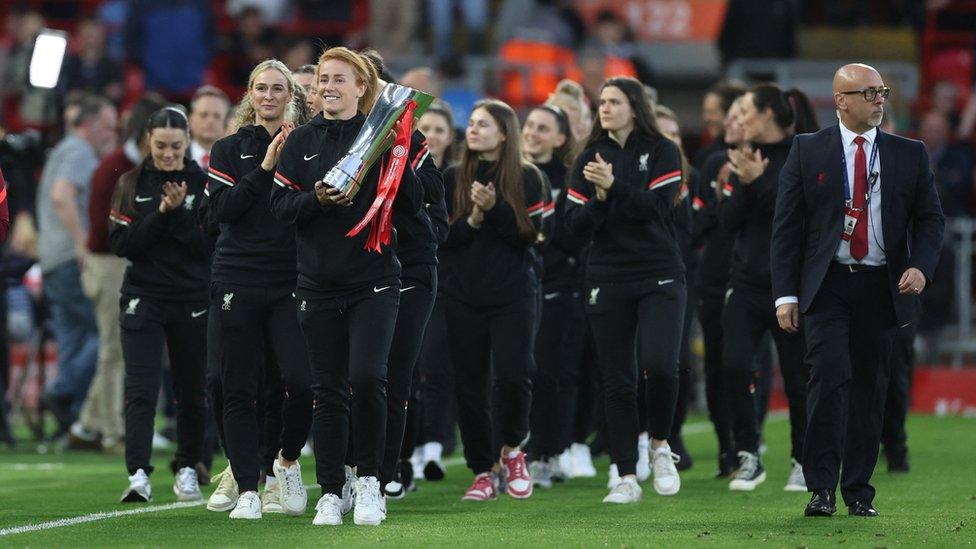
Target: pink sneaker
x,y
482,489
518,482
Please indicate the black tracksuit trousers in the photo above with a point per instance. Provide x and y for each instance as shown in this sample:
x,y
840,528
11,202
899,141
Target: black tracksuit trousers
x,y
348,340
558,356
620,314
258,331
491,348
147,325
418,287
748,315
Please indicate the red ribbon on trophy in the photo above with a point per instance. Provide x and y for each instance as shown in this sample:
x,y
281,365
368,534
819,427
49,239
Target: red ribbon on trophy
x,y
381,226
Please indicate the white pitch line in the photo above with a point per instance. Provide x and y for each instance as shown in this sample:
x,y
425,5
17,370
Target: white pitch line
x,y
61,523
689,429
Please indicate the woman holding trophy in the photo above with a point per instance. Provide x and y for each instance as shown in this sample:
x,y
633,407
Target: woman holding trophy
x,y
347,296
497,204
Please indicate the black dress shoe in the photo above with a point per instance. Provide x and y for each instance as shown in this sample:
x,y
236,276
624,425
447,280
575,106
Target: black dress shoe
x,y
823,503
861,509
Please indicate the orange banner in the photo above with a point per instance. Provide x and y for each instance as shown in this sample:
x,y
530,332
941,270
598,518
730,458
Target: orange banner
x,y
663,20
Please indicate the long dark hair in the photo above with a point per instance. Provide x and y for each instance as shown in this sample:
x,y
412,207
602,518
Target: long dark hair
x,y
443,110
123,199
645,123
565,152
792,109
508,170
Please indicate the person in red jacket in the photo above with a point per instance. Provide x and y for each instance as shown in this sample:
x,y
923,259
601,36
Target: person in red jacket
x,y
4,210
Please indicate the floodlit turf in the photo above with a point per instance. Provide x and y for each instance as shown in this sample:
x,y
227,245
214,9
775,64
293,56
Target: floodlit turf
x,y
933,506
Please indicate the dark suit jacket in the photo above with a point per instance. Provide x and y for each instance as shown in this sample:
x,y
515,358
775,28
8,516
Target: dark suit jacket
x,y
810,210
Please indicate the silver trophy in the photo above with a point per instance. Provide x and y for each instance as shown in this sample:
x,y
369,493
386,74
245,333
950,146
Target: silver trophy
x,y
375,137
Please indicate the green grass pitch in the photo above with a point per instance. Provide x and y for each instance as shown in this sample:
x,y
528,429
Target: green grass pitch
x,y
933,506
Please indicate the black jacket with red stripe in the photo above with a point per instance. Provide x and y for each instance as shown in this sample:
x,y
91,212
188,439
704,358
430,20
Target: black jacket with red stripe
x,y
714,240
170,252
330,264
492,265
633,230
562,261
748,215
254,248
419,234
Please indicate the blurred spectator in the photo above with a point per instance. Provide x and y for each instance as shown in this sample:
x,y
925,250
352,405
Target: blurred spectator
x,y
113,14
538,49
34,106
62,205
423,79
758,28
172,42
945,99
951,162
272,12
100,425
209,110
393,26
442,25
613,38
249,45
91,69
299,53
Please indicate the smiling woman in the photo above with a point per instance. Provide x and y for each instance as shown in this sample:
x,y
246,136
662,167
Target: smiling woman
x,y
348,297
164,300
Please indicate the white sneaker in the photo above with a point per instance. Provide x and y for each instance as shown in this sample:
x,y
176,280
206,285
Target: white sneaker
x,y
564,468
582,461
271,499
750,474
367,511
382,506
797,482
139,490
417,463
643,458
294,498
349,491
613,477
541,473
328,511
626,491
159,442
666,479
224,497
394,490
186,487
307,450
248,507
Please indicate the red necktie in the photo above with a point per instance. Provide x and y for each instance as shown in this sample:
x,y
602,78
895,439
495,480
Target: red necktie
x,y
859,244
205,160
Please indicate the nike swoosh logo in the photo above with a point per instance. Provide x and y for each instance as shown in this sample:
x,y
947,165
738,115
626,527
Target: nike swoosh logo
x,y
245,157
378,290
196,314
307,158
407,288
143,198
663,282
551,296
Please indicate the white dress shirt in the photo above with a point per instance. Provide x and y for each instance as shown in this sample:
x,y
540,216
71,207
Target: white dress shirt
x,y
875,254
198,153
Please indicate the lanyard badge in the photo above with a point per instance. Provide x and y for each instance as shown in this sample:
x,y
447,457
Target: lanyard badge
x,y
851,214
